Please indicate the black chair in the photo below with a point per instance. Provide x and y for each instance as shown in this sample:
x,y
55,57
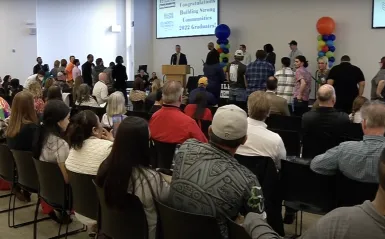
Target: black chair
x,y
124,222
305,190
27,179
8,174
237,231
291,140
351,192
140,114
138,106
84,196
313,145
265,170
282,122
354,132
97,110
55,192
164,154
175,224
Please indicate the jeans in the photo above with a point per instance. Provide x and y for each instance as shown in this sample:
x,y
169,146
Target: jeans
x,y
300,107
237,95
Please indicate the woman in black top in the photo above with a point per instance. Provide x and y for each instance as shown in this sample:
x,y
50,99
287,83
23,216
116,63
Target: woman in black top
x,y
119,74
269,49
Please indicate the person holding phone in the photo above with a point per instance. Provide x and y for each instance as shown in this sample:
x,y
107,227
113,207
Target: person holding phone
x,y
115,112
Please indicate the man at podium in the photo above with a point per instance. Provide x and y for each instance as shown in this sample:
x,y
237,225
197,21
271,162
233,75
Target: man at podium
x,y
178,58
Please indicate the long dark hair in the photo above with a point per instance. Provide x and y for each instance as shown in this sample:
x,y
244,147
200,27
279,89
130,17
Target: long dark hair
x,y
54,112
130,151
303,59
201,102
81,127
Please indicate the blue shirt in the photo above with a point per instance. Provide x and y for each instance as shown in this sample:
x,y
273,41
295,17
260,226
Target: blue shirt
x,y
211,100
257,74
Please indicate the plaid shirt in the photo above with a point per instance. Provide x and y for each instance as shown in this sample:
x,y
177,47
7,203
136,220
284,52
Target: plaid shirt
x,y
357,160
257,74
286,83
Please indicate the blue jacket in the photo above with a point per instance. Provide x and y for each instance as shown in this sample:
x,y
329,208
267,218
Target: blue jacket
x,y
216,77
211,100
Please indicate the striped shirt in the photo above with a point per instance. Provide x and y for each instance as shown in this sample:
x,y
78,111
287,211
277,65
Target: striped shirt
x,y
357,160
286,83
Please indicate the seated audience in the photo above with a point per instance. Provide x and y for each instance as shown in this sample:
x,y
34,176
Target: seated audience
x,y
153,78
21,131
35,89
84,97
75,89
357,160
158,102
127,170
325,124
137,94
89,143
54,93
61,82
144,77
170,124
116,110
50,145
221,186
355,116
261,141
278,104
198,109
361,221
151,98
47,85
36,77
100,90
202,85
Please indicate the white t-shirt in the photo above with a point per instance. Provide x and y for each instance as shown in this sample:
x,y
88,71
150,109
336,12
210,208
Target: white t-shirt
x,y
100,91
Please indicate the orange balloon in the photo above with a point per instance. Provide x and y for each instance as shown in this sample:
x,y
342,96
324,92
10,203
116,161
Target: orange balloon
x,y
326,25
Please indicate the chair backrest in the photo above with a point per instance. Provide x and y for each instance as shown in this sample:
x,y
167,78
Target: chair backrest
x,y
84,195
354,132
123,223
140,114
138,106
7,164
300,184
175,224
350,192
99,111
236,231
291,140
284,122
26,172
52,187
314,145
164,154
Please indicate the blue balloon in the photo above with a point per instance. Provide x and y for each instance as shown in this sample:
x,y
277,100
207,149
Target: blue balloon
x,y
225,60
222,46
225,50
222,64
321,54
225,41
330,43
332,59
330,64
222,31
325,37
332,37
332,48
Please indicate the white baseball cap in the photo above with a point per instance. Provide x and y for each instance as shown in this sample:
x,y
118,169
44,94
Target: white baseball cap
x,y
229,123
238,53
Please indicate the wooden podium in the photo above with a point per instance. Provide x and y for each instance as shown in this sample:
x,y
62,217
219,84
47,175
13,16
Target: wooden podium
x,y
176,72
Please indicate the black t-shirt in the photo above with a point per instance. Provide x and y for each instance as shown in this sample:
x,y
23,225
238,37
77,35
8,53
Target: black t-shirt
x,y
237,70
24,139
346,77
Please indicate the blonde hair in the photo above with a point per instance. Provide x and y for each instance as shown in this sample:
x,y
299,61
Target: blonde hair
x,y
325,60
155,85
35,89
258,105
116,104
23,112
48,83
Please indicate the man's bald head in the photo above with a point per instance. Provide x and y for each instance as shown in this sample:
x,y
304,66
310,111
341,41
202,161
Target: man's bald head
x,y
326,95
172,92
103,77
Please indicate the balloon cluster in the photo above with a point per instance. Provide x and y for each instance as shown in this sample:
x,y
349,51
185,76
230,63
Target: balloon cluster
x,y
222,32
326,27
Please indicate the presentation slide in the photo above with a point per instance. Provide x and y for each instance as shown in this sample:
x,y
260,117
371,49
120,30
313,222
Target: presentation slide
x,y
378,14
183,18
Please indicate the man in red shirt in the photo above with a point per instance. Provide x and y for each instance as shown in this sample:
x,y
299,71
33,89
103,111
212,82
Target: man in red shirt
x,y
170,124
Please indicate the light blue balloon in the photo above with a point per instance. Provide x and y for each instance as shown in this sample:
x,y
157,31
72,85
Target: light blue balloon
x,y
330,64
321,54
330,43
223,46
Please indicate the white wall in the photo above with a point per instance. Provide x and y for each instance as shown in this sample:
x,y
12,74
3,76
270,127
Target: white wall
x,y
14,15
80,28
257,22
